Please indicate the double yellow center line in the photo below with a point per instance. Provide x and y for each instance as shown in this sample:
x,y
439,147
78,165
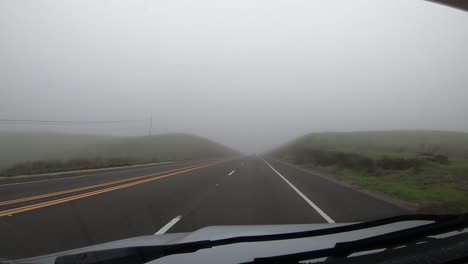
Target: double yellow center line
x,y
120,185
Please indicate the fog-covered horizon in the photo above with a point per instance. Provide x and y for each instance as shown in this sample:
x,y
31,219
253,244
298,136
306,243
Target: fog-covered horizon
x,y
248,74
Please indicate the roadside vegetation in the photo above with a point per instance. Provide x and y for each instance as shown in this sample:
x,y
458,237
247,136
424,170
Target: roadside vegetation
x,y
36,153
429,168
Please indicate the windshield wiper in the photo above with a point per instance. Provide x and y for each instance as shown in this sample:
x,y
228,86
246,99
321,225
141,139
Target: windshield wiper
x,y
389,240
148,253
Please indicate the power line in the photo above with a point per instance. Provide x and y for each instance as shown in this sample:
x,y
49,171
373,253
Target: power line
x,y
66,122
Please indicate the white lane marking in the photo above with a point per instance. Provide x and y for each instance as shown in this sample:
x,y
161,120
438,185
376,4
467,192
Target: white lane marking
x,y
55,179
87,175
232,172
320,211
171,223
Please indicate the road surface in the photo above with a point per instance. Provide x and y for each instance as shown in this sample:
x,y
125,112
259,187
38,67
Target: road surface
x,y
45,215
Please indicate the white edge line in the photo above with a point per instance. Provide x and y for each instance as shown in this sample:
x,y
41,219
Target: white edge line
x,y
56,179
312,204
232,172
126,168
168,226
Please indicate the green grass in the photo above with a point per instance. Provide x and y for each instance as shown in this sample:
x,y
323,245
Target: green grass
x,y
22,146
51,152
430,190
436,187
397,143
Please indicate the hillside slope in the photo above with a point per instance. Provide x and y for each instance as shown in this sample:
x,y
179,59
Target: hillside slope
x,y
429,168
373,143
55,152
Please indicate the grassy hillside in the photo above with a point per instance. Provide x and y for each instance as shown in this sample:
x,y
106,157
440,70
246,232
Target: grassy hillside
x,y
24,153
425,167
18,147
410,143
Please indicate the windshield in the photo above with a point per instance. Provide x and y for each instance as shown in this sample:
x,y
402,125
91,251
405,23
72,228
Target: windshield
x,y
121,119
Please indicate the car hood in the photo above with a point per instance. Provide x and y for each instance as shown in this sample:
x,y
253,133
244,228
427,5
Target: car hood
x,y
240,252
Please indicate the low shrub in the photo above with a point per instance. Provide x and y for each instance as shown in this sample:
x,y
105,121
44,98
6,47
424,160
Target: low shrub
x,y
329,158
34,167
395,163
355,161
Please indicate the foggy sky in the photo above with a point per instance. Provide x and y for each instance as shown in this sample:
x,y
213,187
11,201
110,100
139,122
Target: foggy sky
x,y
249,74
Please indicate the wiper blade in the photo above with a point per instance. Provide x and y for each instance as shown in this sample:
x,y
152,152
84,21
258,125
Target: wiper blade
x,y
147,253
377,242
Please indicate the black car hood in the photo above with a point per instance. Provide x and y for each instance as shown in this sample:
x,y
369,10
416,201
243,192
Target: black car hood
x,y
240,252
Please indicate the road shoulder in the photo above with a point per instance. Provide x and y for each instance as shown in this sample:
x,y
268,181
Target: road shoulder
x,y
375,194
66,174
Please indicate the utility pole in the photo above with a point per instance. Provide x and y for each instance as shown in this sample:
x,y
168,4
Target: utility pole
x,y
150,125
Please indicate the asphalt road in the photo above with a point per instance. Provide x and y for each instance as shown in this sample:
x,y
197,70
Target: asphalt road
x,y
64,212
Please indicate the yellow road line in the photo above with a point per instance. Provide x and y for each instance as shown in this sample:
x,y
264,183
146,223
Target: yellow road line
x,y
12,211
31,198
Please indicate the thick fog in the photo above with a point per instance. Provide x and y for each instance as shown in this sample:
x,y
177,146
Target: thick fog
x,y
249,74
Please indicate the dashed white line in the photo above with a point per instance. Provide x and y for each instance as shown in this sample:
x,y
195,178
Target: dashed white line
x,y
168,226
313,205
232,172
